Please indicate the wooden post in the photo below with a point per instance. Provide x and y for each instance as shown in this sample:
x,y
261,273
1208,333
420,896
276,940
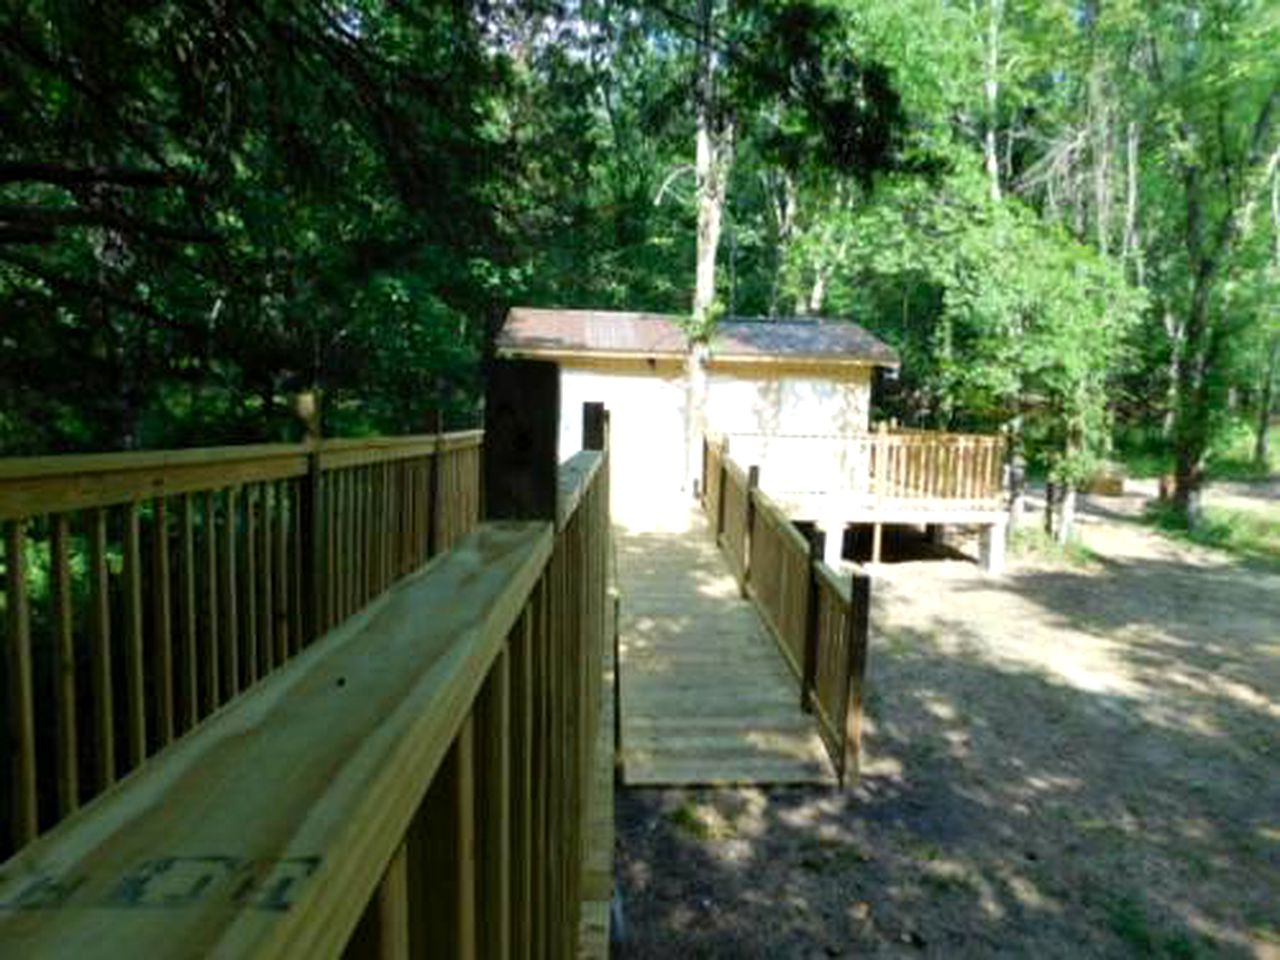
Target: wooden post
x,y
593,426
858,626
817,546
436,424
522,426
22,736
753,481
724,460
311,561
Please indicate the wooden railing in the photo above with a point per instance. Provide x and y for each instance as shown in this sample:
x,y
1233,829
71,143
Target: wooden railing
x,y
819,622
779,575
732,513
917,466
144,590
413,783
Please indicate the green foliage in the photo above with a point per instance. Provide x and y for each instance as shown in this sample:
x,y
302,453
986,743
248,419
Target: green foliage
x,y
1250,534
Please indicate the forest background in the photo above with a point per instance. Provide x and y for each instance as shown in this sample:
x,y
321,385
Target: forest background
x,y
1064,214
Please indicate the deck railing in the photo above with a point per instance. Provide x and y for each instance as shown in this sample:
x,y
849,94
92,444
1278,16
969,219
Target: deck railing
x,y
917,466
413,783
144,590
819,621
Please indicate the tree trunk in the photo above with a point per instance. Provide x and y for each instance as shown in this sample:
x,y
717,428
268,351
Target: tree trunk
x,y
1017,474
714,157
991,89
1130,243
1066,514
1050,500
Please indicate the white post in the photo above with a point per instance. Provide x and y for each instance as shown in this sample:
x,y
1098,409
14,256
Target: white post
x,y
993,544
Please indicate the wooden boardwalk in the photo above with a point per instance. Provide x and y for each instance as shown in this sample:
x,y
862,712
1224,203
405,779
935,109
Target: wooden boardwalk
x,y
706,696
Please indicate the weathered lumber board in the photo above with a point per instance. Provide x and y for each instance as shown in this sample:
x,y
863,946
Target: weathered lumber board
x,y
190,857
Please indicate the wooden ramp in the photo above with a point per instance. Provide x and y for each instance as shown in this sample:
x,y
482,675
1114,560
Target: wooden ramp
x,y
706,696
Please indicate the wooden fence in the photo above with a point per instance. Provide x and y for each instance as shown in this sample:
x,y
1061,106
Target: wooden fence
x,y
144,590
918,466
819,621
413,783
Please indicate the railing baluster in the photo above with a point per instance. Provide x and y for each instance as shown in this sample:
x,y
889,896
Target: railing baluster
x,y
64,664
212,681
187,590
135,704
266,588
230,614
100,659
162,620
21,697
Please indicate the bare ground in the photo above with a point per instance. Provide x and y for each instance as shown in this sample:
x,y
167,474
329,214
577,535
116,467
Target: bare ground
x,y
1067,761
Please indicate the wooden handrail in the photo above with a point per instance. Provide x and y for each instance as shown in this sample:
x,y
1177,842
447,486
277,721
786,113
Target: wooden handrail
x,y
30,486
420,776
266,833
203,570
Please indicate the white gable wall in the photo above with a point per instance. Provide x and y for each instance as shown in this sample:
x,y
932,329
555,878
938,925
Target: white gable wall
x,y
748,404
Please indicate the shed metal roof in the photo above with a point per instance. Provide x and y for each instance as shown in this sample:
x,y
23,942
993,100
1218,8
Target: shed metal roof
x,y
534,332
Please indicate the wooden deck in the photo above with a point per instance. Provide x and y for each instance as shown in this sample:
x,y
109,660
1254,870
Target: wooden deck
x,y
705,695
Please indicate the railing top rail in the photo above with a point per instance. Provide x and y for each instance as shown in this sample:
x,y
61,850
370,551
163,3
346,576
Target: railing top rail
x,y
766,505
576,476
833,581
863,435
34,485
193,857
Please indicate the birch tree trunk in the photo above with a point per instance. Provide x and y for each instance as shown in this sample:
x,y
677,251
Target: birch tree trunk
x,y
991,88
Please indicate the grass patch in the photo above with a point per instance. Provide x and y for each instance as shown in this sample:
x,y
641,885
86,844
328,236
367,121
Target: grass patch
x,y
700,823
1128,921
1143,452
1252,535
1033,543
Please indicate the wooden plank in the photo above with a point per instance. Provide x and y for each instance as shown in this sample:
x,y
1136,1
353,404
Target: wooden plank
x,y
229,585
493,813
160,590
100,659
64,666
857,638
22,728
522,431
744,719
522,785
282,606
266,587
285,864
134,656
212,683
30,485
249,588
189,673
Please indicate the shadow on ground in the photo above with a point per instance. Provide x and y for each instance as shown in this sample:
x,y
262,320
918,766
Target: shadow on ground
x,y
1062,763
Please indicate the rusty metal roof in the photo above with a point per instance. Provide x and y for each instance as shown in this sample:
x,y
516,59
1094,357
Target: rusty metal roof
x,y
534,332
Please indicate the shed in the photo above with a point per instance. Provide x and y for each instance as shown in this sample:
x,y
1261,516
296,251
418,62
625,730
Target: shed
x,y
757,377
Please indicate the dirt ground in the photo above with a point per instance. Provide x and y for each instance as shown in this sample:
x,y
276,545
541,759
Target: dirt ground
x,y
1071,760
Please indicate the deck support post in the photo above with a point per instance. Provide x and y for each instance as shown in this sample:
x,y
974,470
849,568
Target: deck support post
x,y
993,545
877,536
832,541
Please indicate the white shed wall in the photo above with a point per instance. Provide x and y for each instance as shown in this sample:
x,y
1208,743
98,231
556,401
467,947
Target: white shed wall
x,y
647,418
788,403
